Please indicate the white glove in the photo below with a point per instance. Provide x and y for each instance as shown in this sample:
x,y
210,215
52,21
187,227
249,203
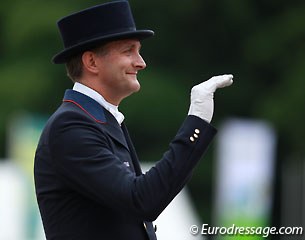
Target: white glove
x,y
202,104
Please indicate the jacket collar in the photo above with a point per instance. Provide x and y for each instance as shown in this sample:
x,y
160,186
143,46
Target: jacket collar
x,y
87,104
98,113
79,87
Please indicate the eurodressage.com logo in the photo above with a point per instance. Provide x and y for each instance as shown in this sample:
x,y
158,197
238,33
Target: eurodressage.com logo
x,y
234,230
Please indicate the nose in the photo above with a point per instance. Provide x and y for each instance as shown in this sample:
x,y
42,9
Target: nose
x,y
139,62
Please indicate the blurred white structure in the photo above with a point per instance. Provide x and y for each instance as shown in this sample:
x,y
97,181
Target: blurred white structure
x,y
16,218
244,173
13,202
175,221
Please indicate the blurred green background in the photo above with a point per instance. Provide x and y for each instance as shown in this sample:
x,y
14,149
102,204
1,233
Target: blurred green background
x,y
261,42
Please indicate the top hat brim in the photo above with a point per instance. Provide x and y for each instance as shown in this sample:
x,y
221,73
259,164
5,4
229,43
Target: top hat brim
x,y
69,52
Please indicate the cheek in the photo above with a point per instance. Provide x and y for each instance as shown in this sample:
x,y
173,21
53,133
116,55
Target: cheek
x,y
116,67
113,71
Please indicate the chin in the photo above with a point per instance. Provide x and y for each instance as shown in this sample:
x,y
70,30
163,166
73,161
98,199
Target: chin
x,y
136,86
131,89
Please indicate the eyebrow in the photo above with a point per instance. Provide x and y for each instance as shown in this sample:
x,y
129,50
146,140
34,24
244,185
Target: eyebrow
x,y
131,45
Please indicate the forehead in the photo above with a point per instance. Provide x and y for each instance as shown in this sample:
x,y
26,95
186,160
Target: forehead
x,y
123,43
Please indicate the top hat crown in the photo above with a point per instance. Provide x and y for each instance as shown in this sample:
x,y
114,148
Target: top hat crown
x,y
86,29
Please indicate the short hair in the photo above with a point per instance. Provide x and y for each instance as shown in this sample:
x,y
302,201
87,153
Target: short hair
x,y
74,66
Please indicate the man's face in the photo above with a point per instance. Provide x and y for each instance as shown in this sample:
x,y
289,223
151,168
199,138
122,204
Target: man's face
x,y
119,67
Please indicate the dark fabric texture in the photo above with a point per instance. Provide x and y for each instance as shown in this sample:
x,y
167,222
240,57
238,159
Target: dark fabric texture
x,y
88,179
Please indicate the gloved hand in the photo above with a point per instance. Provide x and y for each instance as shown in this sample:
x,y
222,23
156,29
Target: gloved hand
x,y
202,104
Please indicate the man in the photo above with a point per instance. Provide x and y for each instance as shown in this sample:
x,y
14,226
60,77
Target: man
x,y
88,180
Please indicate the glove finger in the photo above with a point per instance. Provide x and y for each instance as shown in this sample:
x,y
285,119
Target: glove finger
x,y
224,81
217,82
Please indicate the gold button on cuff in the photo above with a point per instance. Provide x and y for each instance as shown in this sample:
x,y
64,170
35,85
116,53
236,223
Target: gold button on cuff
x,y
192,139
197,131
195,135
144,225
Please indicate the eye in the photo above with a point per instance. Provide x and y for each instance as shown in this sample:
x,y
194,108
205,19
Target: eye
x,y
127,50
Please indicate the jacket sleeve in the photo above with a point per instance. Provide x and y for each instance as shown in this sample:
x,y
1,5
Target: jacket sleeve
x,y
83,159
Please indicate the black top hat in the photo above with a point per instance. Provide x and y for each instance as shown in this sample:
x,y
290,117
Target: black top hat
x,y
88,28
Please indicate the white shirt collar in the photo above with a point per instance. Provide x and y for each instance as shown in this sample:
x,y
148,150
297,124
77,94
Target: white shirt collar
x,y
99,98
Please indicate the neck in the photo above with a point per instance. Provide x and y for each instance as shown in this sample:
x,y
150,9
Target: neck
x,y
103,91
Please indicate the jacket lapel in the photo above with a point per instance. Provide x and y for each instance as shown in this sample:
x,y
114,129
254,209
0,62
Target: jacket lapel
x,y
113,129
134,157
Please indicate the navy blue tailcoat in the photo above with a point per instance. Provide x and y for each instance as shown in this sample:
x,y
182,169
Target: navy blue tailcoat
x,y
88,180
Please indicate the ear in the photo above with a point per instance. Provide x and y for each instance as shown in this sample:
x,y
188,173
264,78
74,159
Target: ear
x,y
89,61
